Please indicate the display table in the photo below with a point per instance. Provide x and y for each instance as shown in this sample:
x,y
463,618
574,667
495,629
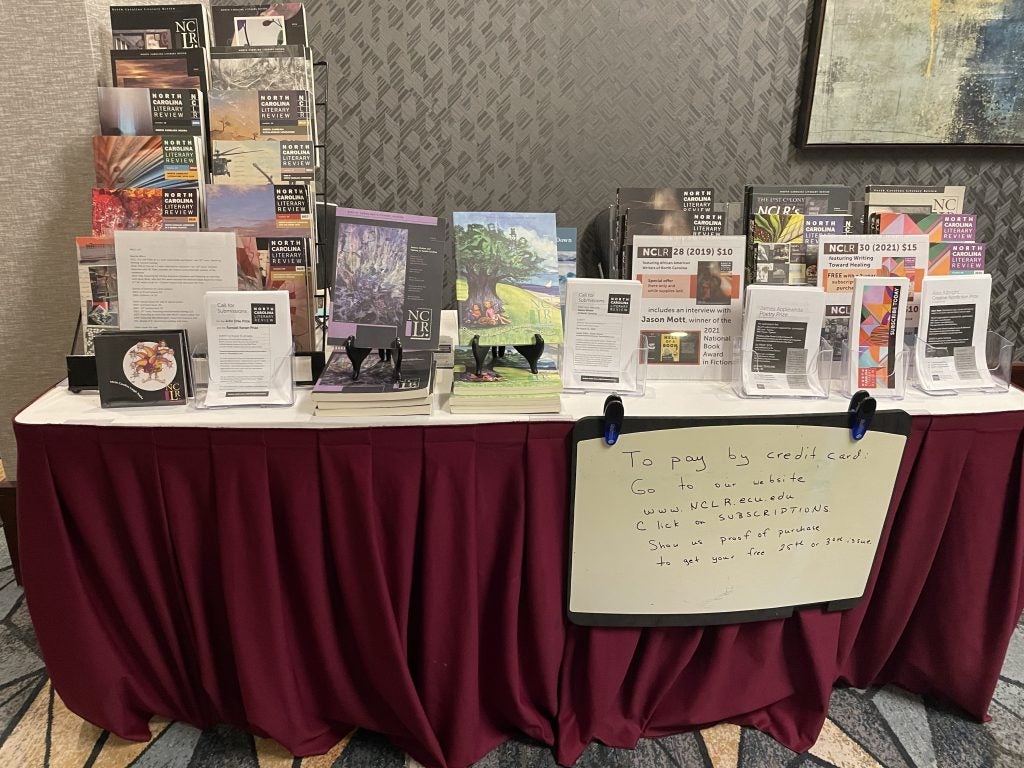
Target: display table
x,y
266,569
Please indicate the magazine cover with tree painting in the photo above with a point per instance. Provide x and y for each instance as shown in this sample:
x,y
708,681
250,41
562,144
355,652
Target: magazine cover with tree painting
x,y
507,283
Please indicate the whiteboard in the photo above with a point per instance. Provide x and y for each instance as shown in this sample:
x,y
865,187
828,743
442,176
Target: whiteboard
x,y
714,521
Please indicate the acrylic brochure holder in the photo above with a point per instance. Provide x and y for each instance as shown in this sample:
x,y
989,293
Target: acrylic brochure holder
x,y
805,376
640,353
897,379
284,396
993,379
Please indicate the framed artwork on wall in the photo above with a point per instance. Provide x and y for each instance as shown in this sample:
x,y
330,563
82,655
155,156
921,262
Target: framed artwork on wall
x,y
911,72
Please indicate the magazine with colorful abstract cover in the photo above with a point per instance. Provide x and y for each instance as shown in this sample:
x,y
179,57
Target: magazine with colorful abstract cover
x,y
507,284
949,227
147,161
388,280
956,258
877,327
168,210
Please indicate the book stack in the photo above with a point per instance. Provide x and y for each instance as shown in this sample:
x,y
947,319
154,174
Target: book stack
x,y
376,392
784,224
504,385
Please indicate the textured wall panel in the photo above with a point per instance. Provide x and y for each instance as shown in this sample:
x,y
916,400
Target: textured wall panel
x,y
551,105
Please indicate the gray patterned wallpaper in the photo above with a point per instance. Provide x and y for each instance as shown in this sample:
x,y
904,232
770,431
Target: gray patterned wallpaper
x,y
551,104
507,105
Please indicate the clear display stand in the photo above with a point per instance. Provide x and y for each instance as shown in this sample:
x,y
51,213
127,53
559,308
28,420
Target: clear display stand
x,y
890,383
640,390
940,372
258,388
805,375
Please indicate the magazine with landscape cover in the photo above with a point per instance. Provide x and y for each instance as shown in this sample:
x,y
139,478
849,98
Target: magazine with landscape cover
x,y
147,161
159,69
260,210
281,264
261,162
150,111
376,382
168,210
257,24
140,368
507,284
261,114
156,27
387,284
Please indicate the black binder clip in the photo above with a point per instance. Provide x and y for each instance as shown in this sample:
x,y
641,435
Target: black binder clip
x,y
862,411
614,413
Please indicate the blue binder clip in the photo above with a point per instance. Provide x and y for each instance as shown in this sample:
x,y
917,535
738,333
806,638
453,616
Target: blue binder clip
x,y
613,416
862,411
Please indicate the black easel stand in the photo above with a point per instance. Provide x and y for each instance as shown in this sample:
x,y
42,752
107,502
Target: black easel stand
x,y
531,352
357,355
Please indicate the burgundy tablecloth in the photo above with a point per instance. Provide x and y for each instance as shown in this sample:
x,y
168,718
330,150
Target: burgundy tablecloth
x,y
297,583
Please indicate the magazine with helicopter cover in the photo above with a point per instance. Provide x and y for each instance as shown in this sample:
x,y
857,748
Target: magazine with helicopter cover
x,y
261,114
261,162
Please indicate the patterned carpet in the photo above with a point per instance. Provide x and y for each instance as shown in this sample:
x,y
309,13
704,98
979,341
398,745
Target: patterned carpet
x,y
883,728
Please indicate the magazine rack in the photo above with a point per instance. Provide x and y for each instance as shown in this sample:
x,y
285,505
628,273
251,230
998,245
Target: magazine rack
x,y
203,377
994,380
640,356
848,360
807,376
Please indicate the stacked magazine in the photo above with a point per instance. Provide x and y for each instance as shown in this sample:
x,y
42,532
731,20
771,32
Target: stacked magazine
x,y
376,392
504,385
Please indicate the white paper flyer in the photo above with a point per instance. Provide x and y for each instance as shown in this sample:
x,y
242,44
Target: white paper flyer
x,y
782,340
953,335
602,334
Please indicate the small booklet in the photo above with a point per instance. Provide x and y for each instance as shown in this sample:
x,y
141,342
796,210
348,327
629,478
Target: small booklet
x,y
782,340
135,368
602,332
953,333
249,343
878,318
